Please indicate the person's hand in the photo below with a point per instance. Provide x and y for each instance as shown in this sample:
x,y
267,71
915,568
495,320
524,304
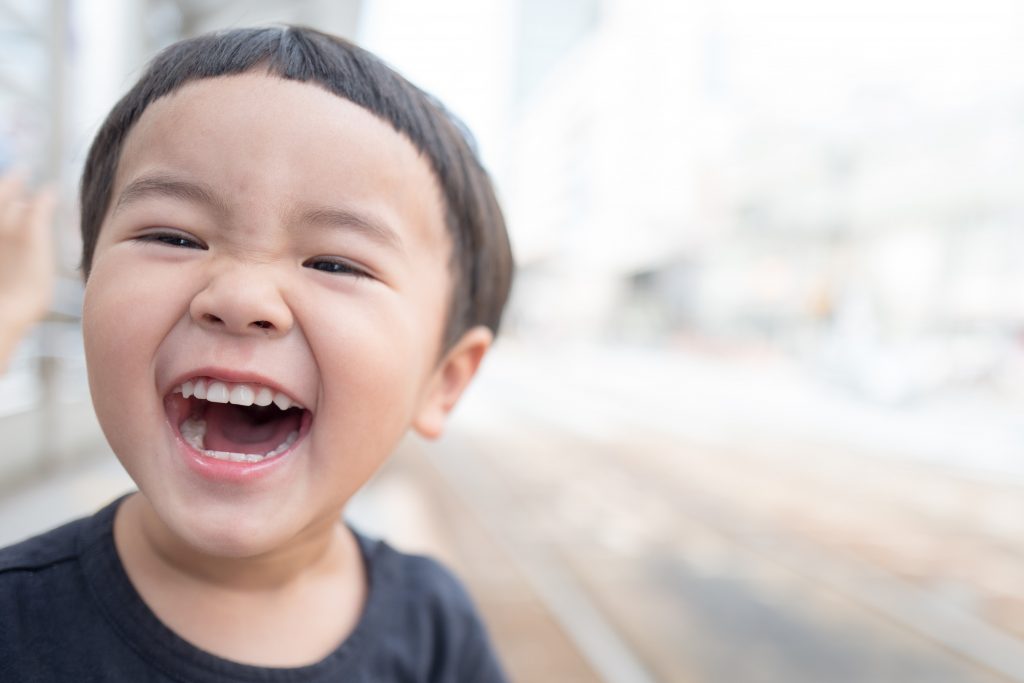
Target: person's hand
x,y
26,260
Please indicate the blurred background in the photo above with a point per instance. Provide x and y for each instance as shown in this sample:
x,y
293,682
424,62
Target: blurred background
x,y
756,415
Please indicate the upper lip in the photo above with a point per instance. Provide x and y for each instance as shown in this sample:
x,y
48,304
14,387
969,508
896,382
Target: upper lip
x,y
236,377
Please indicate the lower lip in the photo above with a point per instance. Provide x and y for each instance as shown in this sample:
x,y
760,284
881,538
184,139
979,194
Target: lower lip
x,y
230,472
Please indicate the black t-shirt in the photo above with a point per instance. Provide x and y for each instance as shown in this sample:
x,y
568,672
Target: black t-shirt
x,y
68,612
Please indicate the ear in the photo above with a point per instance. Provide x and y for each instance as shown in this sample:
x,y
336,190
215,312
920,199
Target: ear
x,y
449,380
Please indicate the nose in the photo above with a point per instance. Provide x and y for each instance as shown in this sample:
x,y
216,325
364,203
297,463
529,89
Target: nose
x,y
243,301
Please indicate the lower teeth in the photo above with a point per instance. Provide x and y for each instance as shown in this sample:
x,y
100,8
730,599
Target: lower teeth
x,y
193,430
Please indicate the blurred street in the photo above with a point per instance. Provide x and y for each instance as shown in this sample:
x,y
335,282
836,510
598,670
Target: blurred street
x,y
652,523
756,556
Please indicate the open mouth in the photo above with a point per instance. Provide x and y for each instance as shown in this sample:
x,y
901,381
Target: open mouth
x,y
236,422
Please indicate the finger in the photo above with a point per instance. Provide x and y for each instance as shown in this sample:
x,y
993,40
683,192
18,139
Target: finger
x,y
12,219
12,202
12,185
39,227
40,215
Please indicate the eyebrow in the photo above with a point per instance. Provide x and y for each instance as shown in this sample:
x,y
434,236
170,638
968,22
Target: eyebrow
x,y
168,186
366,225
161,185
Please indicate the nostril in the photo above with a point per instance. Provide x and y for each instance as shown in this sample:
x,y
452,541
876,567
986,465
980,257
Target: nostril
x,y
263,324
209,317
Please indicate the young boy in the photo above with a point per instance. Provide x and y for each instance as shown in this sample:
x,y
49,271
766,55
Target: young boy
x,y
291,256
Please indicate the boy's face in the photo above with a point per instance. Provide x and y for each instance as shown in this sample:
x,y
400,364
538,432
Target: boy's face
x,y
265,233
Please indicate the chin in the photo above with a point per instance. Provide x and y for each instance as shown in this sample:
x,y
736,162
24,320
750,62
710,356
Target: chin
x,y
227,542
226,532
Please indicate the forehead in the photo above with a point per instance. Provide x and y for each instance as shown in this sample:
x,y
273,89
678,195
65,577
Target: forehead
x,y
266,144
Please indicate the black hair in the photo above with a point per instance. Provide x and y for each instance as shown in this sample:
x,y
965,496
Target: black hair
x,y
481,260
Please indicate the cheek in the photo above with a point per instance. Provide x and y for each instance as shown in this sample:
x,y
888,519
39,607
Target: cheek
x,y
370,374
117,317
121,333
373,362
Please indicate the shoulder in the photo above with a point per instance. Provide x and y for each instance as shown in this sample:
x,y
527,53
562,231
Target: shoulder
x,y
428,614
39,572
42,552
48,567
59,546
52,627
418,581
39,593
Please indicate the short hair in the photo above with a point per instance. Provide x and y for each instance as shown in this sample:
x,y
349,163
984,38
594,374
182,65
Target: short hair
x,y
481,260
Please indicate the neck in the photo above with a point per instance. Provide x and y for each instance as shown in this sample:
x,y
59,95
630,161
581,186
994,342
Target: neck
x,y
289,607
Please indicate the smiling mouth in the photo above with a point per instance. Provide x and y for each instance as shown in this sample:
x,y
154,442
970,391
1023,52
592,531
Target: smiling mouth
x,y
236,422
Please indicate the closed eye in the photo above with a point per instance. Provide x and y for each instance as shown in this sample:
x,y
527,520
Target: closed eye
x,y
335,266
172,239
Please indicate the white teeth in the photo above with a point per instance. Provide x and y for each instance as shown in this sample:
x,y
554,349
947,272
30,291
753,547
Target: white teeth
x,y
283,446
217,392
237,394
242,395
193,430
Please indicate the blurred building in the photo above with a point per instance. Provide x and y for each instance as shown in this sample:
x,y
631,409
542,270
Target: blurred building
x,y
774,175
606,164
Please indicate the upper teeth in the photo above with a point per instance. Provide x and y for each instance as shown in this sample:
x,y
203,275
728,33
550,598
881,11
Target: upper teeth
x,y
240,394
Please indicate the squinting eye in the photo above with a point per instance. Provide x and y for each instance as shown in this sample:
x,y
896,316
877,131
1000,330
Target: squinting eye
x,y
339,267
172,239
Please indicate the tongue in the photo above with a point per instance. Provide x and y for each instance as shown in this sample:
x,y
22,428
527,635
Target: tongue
x,y
236,429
